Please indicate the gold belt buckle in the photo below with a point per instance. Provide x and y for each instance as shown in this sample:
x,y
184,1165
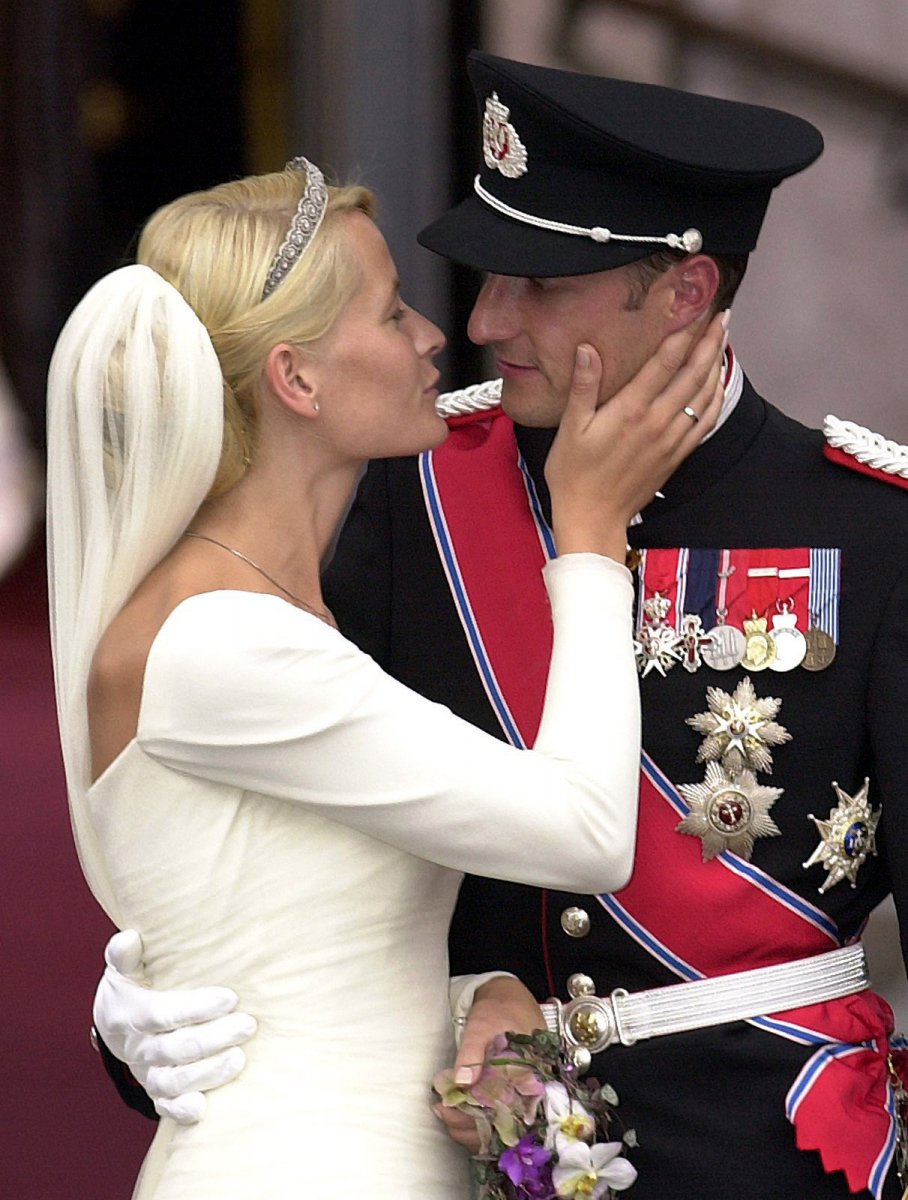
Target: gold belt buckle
x,y
591,1025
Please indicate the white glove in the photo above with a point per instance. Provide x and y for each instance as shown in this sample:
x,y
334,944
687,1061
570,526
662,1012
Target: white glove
x,y
177,1044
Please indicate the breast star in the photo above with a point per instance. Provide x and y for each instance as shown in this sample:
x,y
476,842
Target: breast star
x,y
728,812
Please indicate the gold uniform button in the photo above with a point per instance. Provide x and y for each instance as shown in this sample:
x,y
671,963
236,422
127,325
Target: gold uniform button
x,y
575,922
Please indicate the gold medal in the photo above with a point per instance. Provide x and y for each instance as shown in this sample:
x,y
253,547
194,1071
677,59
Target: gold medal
x,y
760,649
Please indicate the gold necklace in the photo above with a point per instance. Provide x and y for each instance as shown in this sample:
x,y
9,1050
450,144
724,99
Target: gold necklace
x,y
321,613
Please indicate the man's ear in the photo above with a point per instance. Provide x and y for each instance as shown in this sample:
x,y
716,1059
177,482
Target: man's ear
x,y
695,283
292,378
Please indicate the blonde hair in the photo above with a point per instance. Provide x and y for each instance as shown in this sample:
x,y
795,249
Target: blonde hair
x,y
216,248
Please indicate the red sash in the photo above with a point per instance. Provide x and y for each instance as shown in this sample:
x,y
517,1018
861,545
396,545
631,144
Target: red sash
x,y
493,542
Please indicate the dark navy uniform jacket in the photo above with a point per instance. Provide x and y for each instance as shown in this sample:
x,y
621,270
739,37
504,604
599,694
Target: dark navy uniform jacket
x,y
707,1106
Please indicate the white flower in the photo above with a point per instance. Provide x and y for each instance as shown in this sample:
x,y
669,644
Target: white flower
x,y
567,1120
587,1172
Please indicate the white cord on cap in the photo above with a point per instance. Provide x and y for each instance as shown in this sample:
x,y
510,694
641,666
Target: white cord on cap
x,y
690,241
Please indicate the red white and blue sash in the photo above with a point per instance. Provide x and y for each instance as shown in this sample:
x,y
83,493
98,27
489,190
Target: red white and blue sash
x,y
493,542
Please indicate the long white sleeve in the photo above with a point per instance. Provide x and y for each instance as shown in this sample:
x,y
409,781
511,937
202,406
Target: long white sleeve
x,y
246,690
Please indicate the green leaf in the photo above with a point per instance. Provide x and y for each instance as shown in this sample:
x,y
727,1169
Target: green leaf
x,y
608,1094
630,1138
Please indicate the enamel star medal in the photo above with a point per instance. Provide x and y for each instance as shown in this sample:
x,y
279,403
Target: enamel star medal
x,y
692,642
760,649
729,810
656,643
739,728
728,813
847,837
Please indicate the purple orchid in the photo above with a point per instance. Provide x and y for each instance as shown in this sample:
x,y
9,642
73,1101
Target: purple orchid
x,y
528,1166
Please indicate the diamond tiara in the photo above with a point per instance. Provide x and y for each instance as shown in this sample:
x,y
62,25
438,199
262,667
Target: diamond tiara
x,y
303,227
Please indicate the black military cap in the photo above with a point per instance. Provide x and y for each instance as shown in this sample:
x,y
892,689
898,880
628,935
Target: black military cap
x,y
582,173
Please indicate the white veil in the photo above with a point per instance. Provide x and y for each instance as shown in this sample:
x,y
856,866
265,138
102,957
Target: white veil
x,y
135,426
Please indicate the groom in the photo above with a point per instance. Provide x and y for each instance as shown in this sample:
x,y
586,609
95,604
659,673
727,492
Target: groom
x,y
773,599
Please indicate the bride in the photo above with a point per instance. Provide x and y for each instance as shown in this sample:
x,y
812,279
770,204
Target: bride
x,y
249,790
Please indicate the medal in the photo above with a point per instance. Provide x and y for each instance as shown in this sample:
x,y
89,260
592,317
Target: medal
x,y
821,649
739,729
823,608
656,644
760,649
727,642
656,649
847,837
728,813
692,642
725,648
790,643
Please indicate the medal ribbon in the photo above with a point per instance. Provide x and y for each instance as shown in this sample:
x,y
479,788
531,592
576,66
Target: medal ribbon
x,y
779,579
737,600
482,510
762,584
700,597
823,599
663,572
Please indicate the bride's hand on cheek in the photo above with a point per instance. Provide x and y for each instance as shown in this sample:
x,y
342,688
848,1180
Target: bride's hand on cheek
x,y
610,458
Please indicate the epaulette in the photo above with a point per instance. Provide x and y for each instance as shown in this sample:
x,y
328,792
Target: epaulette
x,y
863,450
470,403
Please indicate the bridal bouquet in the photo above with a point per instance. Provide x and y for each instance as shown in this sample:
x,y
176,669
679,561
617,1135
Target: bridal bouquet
x,y
543,1133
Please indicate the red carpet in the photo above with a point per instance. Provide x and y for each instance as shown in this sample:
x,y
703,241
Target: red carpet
x,y
65,1135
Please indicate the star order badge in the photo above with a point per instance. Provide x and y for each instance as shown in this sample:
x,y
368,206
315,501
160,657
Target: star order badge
x,y
656,648
656,645
739,728
692,641
728,813
847,837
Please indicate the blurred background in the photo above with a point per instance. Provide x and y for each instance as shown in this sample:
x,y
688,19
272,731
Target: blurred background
x,y
108,108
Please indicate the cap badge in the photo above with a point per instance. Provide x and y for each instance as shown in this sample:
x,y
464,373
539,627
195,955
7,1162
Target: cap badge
x,y
502,148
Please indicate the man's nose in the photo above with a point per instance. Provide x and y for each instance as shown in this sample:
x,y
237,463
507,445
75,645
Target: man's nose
x,y
495,314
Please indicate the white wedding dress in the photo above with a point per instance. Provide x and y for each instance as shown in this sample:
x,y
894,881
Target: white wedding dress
x,y
292,823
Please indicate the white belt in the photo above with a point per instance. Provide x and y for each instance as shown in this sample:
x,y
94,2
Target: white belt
x,y
588,1024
